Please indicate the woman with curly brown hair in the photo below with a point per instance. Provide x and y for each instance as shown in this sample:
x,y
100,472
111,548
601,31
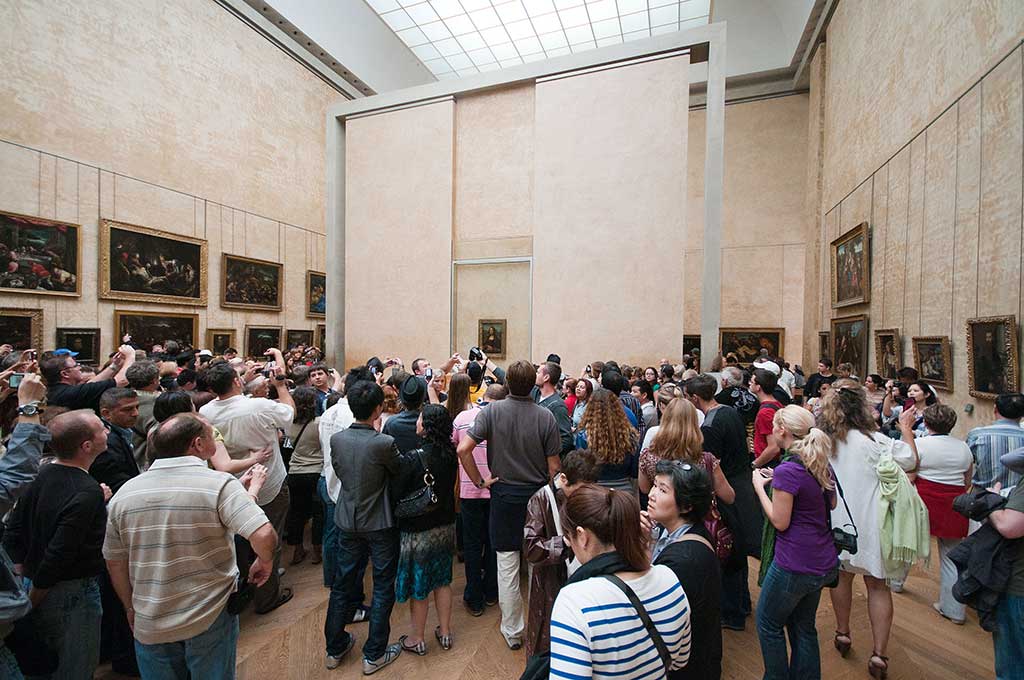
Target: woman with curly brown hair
x,y
605,430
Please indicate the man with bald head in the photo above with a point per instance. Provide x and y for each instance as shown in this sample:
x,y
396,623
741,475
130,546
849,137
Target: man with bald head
x,y
56,535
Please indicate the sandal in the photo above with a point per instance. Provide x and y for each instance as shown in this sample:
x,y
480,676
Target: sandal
x,y
446,641
876,670
841,646
285,595
419,648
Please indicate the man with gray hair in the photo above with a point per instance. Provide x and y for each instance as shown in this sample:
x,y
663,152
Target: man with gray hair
x,y
144,378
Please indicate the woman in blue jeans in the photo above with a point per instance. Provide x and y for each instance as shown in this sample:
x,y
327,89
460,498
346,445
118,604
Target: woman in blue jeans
x,y
805,558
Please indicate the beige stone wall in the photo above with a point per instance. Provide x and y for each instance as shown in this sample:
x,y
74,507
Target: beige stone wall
x,y
175,116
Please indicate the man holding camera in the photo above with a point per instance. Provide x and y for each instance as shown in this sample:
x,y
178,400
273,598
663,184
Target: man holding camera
x,y
68,387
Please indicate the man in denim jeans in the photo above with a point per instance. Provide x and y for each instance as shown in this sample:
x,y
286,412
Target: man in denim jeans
x,y
1008,637
365,461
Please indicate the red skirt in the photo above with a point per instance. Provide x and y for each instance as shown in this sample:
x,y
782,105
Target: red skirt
x,y
938,498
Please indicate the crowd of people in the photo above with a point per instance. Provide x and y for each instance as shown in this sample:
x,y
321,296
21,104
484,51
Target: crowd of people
x,y
150,500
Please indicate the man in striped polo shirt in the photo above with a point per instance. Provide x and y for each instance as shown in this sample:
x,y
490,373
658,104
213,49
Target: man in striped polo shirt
x,y
989,442
170,552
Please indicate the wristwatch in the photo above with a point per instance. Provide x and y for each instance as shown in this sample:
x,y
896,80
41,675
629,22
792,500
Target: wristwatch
x,y
29,409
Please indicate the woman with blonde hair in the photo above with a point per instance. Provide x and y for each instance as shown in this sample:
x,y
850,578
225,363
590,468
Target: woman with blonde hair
x,y
605,430
801,556
679,438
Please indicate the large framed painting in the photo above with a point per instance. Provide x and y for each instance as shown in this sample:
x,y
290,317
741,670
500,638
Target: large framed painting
x,y
218,340
888,352
747,343
22,328
85,341
851,273
316,294
258,339
156,328
39,255
933,359
824,344
320,341
491,337
850,343
147,265
992,361
251,284
690,343
294,338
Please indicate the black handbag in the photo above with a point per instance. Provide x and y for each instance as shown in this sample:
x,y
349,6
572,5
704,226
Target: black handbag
x,y
421,501
842,539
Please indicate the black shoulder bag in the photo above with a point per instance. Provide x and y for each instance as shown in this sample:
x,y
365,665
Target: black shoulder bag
x,y
841,538
421,501
663,652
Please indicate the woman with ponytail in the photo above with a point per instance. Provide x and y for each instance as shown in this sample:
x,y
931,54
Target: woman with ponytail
x,y
596,630
805,559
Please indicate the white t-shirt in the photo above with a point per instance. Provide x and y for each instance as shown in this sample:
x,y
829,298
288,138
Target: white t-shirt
x,y
944,459
787,381
335,419
250,423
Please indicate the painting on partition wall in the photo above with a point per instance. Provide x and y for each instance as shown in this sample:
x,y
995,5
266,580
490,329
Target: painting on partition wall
x,y
747,343
992,361
933,359
258,339
850,343
491,337
294,338
888,353
851,273
250,283
316,294
690,343
39,255
156,328
148,265
85,341
219,340
22,328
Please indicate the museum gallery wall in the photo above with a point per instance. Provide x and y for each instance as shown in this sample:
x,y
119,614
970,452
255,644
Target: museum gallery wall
x,y
243,180
941,207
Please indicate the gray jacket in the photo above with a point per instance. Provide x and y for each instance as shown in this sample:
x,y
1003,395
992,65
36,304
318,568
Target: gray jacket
x,y
365,461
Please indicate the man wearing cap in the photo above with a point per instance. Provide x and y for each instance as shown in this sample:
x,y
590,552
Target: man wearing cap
x,y
66,386
779,393
403,425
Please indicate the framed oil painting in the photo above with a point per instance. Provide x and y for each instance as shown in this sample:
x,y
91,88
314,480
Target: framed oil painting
x,y
491,337
888,352
22,328
39,255
850,343
747,343
148,265
218,340
156,328
824,344
85,341
320,340
294,338
251,284
851,273
992,361
690,343
933,359
316,294
258,339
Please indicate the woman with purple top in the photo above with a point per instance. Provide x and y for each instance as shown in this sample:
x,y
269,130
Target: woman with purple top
x,y
805,558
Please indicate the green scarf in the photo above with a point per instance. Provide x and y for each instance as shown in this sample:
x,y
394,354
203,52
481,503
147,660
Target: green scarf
x,y
768,530
904,527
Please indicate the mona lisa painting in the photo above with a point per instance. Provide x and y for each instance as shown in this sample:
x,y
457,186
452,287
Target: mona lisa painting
x,y
491,337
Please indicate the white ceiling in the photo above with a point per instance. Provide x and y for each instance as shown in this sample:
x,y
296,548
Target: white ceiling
x,y
455,38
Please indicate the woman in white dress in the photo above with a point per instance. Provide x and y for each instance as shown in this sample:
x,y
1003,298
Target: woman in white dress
x,y
848,417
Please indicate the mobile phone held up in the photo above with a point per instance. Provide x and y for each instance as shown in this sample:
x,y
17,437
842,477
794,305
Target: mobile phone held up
x,y
15,380
475,354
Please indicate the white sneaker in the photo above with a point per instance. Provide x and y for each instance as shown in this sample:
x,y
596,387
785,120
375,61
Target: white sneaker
x,y
332,662
391,652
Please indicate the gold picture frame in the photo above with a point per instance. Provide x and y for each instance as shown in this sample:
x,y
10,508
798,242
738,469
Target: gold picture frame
x,y
746,343
197,257
320,338
492,337
850,343
256,344
260,267
933,359
316,278
219,339
15,331
824,344
888,352
9,221
151,328
851,267
993,365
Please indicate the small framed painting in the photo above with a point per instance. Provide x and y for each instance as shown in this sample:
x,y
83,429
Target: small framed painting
x,y
824,344
933,359
294,338
850,343
148,265
250,283
747,343
258,339
320,341
219,340
22,328
851,273
316,294
888,353
156,328
39,255
992,361
491,337
85,341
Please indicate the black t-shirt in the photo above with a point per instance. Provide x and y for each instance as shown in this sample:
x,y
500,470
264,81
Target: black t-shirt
x,y
814,383
725,436
402,427
86,395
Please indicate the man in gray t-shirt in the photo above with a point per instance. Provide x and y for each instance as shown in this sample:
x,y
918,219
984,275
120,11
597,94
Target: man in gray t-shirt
x,y
522,453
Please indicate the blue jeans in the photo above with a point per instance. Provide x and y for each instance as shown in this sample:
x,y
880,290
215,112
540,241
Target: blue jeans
x,y
790,601
481,560
68,621
330,539
211,654
9,669
346,591
1008,638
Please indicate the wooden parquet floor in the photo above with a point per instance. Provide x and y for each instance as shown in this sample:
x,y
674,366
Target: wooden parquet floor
x,y
289,642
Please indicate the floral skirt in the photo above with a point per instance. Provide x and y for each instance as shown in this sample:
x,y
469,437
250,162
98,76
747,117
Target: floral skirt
x,y
424,562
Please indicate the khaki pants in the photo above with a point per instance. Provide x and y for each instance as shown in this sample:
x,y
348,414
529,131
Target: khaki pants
x,y
277,512
510,598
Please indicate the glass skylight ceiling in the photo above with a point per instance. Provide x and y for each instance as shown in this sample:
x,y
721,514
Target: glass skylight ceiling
x,y
455,38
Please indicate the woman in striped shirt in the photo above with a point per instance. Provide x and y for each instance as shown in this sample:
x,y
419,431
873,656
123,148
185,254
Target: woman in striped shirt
x,y
595,630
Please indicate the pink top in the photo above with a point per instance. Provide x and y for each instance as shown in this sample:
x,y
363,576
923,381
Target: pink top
x,y
461,426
